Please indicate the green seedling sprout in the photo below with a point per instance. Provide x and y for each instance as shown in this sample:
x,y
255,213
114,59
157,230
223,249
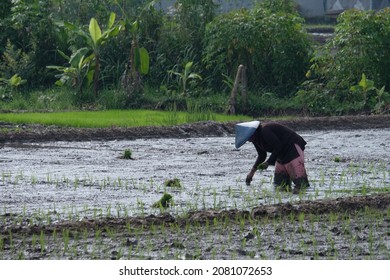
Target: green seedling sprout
x,y
175,183
164,201
337,159
127,154
42,241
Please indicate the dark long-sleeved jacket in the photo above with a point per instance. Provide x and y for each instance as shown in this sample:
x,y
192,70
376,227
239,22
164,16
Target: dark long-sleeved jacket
x,y
279,140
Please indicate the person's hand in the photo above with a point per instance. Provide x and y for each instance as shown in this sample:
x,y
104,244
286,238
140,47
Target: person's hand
x,y
263,166
249,177
248,180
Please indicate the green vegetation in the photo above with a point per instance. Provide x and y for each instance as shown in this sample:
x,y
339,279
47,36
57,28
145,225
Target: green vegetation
x,y
268,40
113,231
350,74
175,183
120,118
345,180
131,55
164,202
126,63
127,154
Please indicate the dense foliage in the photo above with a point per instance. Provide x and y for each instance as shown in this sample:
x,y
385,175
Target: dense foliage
x,y
272,45
352,72
119,54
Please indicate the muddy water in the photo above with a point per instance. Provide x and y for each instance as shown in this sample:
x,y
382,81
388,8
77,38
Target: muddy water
x,y
88,179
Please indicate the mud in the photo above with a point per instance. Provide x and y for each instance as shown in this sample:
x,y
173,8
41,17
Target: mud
x,y
68,194
39,133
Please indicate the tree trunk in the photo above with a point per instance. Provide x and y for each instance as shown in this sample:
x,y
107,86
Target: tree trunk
x,y
96,77
244,91
131,79
240,79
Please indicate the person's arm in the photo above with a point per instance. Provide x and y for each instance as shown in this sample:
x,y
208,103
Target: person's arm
x,y
261,155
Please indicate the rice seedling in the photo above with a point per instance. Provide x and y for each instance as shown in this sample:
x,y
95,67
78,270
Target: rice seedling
x,y
34,239
164,202
54,235
10,240
98,234
306,226
34,180
174,183
333,217
127,154
42,242
65,239
301,219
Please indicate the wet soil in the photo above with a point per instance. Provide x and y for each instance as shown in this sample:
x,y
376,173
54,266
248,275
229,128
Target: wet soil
x,y
220,224
346,228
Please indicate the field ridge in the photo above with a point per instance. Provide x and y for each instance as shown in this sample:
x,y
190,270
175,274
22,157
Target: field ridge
x,y
40,133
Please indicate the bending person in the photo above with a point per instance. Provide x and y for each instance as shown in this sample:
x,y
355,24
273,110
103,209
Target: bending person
x,y
286,148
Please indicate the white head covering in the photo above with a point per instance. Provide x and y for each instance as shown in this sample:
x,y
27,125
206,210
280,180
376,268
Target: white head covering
x,y
244,131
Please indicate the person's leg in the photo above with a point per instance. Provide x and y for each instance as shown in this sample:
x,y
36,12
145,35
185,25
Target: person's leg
x,y
297,171
282,179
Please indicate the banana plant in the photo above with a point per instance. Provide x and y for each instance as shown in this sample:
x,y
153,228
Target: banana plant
x,y
95,38
77,71
11,84
184,77
15,81
98,39
139,57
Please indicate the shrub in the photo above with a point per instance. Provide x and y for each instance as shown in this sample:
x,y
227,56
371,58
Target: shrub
x,y
359,53
5,21
273,45
180,39
361,45
14,61
35,33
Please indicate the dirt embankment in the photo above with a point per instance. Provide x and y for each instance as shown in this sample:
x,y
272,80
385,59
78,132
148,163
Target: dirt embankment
x,y
37,133
318,207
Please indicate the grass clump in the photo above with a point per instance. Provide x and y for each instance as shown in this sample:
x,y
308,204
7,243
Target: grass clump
x,y
175,183
127,154
164,201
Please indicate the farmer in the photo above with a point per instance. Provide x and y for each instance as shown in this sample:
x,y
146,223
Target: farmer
x,y
286,148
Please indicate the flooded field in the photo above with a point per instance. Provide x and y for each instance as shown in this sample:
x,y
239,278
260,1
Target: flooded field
x,y
82,200
81,177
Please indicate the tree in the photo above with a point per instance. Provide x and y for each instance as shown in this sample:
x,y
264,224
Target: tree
x,y
97,40
76,72
138,62
184,77
94,40
273,46
5,11
31,28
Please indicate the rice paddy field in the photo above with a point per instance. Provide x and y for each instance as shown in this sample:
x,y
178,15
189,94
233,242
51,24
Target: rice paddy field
x,y
87,200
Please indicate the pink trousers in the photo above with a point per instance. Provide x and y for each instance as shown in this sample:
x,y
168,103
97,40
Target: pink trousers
x,y
295,169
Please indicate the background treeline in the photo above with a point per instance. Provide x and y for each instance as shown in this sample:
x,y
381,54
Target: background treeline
x,y
117,54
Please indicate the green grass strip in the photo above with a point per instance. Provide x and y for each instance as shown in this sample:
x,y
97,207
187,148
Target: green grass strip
x,y
116,118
